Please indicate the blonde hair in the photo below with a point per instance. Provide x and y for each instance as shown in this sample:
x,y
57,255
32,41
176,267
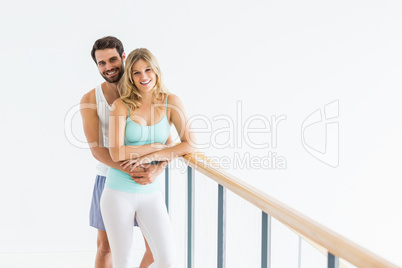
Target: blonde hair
x,y
129,93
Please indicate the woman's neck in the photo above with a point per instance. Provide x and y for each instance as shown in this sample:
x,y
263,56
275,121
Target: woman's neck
x,y
147,98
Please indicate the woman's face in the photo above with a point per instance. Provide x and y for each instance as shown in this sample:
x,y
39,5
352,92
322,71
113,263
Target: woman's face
x,y
143,76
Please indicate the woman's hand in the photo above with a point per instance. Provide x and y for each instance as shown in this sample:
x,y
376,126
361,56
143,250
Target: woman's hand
x,y
147,173
136,162
142,160
125,164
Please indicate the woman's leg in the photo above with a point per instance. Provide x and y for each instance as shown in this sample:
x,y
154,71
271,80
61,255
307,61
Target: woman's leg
x,y
155,225
118,210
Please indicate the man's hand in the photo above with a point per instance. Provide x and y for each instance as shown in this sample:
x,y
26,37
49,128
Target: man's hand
x,y
149,174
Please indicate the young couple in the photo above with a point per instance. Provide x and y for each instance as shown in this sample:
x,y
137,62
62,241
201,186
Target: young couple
x,y
127,122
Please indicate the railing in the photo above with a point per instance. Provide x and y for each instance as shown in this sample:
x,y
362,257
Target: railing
x,y
334,245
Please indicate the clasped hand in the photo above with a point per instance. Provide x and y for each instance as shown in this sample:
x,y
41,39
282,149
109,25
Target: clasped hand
x,y
143,173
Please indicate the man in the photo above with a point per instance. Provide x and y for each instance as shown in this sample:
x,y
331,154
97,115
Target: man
x,y
108,54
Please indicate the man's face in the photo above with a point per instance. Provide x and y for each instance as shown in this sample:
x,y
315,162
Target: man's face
x,y
110,64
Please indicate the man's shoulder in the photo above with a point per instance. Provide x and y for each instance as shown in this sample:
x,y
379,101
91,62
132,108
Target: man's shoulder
x,y
89,97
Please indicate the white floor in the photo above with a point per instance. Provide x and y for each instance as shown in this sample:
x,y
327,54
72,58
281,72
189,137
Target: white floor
x,y
83,259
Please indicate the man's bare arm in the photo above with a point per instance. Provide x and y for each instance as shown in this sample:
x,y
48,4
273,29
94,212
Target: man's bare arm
x,y
90,122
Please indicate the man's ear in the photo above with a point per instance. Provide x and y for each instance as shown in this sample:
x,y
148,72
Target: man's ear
x,y
124,56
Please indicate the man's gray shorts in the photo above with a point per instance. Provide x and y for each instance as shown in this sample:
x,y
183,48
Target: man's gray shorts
x,y
95,216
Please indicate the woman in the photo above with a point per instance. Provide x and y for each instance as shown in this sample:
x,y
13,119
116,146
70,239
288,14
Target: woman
x,y
138,129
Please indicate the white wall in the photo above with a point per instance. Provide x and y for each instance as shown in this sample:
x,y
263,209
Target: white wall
x,y
278,58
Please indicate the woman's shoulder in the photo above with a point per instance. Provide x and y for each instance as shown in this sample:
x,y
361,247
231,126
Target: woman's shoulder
x,y
119,102
119,105
173,99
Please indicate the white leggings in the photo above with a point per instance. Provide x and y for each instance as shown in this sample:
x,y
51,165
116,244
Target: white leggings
x,y
118,210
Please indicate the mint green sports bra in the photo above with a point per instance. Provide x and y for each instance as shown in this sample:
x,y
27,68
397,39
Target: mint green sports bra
x,y
136,134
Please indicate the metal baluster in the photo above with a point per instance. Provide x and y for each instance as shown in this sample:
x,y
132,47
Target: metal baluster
x,y
221,227
333,261
266,241
167,187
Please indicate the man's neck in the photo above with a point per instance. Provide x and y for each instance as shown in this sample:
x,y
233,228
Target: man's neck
x,y
109,87
110,92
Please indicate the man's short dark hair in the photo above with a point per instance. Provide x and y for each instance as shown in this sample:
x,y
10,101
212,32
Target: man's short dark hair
x,y
107,42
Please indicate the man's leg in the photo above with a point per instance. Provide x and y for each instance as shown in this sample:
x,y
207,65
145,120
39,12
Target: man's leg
x,y
148,258
103,255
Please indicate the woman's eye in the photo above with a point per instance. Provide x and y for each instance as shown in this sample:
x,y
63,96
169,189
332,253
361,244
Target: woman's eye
x,y
148,70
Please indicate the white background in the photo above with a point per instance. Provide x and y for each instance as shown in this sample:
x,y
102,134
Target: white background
x,y
276,57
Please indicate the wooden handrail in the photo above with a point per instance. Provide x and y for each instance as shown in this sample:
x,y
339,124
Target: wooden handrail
x,y
333,242
322,250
